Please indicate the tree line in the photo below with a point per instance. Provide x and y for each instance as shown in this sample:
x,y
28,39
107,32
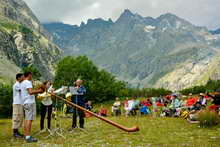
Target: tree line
x,y
101,85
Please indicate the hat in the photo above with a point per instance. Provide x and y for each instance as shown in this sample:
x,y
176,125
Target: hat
x,y
174,94
68,95
202,94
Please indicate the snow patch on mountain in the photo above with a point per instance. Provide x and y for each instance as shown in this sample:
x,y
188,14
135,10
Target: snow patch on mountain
x,y
149,28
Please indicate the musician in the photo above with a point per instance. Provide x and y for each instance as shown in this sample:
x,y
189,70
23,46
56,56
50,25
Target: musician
x,y
46,105
79,99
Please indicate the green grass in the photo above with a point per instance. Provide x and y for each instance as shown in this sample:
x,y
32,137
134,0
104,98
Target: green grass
x,y
153,132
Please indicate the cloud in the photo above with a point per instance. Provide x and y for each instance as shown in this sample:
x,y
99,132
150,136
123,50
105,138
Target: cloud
x,y
198,12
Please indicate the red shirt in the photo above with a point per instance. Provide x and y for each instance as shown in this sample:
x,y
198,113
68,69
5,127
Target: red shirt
x,y
191,101
146,103
159,104
103,111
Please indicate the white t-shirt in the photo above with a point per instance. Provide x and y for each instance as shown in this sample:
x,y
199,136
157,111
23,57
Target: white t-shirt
x,y
130,105
27,98
17,98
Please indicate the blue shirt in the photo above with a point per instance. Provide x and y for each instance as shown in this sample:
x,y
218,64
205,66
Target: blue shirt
x,y
80,98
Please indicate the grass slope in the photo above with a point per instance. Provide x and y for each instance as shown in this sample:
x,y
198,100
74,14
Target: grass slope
x,y
170,132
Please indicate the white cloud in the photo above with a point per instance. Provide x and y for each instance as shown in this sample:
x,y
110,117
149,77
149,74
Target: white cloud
x,y
199,12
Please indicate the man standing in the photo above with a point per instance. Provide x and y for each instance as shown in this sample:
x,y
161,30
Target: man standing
x,y
29,105
79,99
18,112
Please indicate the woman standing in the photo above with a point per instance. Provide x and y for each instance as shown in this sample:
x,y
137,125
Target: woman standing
x,y
46,105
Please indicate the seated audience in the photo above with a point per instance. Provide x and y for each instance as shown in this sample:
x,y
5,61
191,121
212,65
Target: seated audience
x,y
128,106
191,101
144,110
202,99
135,106
216,102
193,114
116,108
89,107
175,105
103,111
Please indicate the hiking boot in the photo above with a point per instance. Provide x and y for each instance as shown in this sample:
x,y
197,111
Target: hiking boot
x,y
31,139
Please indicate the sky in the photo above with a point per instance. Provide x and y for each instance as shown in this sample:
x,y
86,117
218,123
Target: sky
x,y
198,12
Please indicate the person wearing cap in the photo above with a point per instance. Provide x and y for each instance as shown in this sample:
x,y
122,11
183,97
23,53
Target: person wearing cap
x,y
79,99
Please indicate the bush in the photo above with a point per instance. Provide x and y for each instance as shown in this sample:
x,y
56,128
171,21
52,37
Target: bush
x,y
208,118
5,100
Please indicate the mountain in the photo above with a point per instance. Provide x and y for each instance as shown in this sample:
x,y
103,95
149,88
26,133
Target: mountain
x,y
24,41
215,32
166,51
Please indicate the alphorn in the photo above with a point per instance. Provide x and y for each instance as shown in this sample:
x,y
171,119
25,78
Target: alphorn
x,y
133,129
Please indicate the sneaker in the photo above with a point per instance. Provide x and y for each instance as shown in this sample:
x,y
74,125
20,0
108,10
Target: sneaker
x,y
31,139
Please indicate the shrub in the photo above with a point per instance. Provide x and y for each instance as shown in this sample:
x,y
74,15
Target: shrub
x,y
5,100
208,119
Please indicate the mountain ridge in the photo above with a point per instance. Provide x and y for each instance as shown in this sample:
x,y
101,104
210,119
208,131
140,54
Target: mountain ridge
x,y
145,51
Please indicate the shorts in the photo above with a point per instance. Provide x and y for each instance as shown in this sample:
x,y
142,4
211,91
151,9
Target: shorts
x,y
17,116
30,111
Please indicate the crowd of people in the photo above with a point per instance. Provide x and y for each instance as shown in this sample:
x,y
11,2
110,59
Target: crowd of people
x,y
173,105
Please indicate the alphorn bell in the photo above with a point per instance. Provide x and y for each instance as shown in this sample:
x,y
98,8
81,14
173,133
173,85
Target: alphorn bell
x,y
133,129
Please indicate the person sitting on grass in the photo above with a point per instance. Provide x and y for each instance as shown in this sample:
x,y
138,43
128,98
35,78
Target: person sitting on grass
x,y
148,102
191,101
216,102
89,107
135,106
175,105
116,108
202,99
154,104
193,114
128,106
103,111
144,110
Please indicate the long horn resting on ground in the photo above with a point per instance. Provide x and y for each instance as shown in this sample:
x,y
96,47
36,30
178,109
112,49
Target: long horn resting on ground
x,y
133,129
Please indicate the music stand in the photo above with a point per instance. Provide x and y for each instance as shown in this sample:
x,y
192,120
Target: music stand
x,y
58,128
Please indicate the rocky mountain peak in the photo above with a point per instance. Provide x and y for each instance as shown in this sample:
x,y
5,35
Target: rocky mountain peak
x,y
98,22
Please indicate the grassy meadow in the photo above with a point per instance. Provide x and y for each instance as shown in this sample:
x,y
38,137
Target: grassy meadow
x,y
164,132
